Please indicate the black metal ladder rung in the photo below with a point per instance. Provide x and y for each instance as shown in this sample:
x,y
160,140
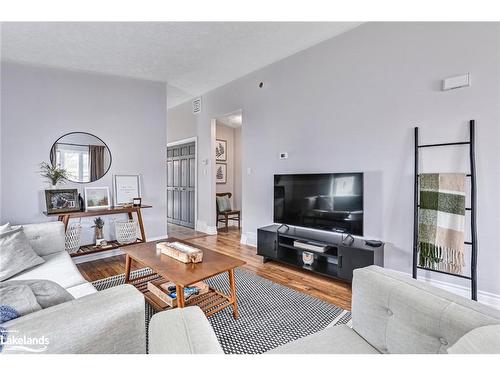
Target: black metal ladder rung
x,y
444,272
444,144
467,175
466,208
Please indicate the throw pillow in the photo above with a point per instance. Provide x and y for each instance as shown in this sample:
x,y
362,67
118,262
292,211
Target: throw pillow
x,y
17,300
46,292
16,253
482,340
5,228
223,203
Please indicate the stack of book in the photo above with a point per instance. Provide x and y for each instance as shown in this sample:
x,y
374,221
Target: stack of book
x,y
166,291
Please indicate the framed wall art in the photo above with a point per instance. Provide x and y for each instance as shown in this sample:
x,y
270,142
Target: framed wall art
x,y
221,173
220,150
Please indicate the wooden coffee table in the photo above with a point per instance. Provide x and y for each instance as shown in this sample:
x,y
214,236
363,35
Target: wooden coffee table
x,y
182,275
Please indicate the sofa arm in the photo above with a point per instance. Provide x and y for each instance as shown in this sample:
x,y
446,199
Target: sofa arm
x,y
111,321
182,331
397,314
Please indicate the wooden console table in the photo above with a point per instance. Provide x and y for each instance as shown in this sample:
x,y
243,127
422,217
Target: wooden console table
x,y
66,216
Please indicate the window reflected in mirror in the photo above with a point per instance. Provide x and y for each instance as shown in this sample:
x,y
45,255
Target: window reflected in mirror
x,y
84,156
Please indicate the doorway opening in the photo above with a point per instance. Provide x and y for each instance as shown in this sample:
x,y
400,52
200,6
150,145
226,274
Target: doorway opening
x,y
228,171
182,182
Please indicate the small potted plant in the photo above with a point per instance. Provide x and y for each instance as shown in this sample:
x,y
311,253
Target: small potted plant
x,y
99,234
53,174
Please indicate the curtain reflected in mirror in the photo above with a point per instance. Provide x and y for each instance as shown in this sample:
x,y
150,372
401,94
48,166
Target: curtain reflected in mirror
x,y
85,157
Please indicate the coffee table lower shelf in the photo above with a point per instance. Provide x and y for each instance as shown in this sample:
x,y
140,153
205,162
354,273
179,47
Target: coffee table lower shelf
x,y
210,303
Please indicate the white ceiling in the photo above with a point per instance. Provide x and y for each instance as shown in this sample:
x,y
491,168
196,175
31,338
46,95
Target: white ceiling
x,y
192,57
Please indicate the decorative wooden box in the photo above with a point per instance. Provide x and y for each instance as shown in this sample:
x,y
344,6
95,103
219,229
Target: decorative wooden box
x,y
181,252
160,290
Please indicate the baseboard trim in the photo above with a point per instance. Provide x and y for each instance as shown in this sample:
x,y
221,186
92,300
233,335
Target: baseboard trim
x,y
202,226
109,253
97,256
486,298
249,239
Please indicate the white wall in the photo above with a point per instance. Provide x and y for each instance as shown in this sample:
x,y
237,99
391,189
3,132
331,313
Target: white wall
x,y
350,104
40,104
182,123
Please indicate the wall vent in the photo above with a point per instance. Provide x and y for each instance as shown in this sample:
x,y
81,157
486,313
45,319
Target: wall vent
x,y
196,106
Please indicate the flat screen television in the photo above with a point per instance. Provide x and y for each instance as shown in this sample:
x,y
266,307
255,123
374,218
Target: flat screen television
x,y
326,201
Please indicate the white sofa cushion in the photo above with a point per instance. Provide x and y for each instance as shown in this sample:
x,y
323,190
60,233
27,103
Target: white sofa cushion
x,y
58,267
81,290
336,340
16,253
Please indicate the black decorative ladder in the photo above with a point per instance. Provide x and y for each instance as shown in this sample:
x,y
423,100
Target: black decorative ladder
x,y
472,209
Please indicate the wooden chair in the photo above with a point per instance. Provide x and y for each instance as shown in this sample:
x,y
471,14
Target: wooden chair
x,y
225,216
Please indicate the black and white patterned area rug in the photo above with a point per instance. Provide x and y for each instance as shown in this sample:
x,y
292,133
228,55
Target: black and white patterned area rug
x,y
270,314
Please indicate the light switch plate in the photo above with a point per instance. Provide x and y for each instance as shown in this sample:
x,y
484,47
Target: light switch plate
x,y
456,82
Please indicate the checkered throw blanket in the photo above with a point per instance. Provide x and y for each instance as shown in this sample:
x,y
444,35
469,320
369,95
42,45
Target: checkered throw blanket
x,y
442,221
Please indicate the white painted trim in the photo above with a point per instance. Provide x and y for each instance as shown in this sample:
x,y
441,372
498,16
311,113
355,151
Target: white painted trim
x,y
182,142
246,239
96,256
157,238
202,226
108,253
213,161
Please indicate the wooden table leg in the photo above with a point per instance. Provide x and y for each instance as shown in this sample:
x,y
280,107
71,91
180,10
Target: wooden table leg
x,y
128,263
232,285
141,224
179,290
65,220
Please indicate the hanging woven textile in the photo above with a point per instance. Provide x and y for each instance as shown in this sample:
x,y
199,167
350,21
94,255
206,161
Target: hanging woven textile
x,y
442,222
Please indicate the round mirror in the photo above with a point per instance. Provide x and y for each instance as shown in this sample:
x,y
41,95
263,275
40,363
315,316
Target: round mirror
x,y
85,157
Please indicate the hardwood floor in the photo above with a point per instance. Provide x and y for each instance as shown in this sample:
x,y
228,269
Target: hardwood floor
x,y
329,290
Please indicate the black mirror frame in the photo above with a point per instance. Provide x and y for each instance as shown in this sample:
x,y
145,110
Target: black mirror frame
x,y
104,143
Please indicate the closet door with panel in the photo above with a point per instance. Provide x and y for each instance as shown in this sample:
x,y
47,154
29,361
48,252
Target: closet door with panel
x,y
181,179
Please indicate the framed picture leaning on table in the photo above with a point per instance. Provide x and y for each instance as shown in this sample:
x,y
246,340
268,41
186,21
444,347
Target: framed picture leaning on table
x,y
97,197
62,200
126,188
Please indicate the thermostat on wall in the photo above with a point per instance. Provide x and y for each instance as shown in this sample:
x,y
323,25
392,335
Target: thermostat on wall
x,y
283,155
456,82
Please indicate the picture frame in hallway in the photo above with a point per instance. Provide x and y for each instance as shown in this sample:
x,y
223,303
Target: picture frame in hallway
x,y
221,173
220,150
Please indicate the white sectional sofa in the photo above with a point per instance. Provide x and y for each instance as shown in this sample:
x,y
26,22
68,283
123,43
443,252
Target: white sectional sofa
x,y
391,313
110,321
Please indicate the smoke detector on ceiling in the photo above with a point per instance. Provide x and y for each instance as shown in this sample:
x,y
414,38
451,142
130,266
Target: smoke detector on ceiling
x,y
196,106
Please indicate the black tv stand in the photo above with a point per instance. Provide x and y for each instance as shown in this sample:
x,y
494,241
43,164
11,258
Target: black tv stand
x,y
338,260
